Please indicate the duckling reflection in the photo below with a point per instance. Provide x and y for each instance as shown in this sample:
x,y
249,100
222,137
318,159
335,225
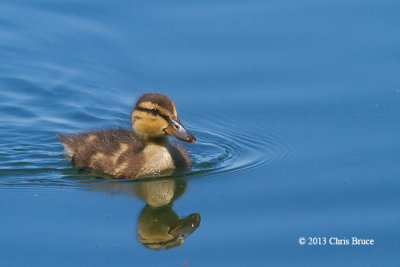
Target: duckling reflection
x,y
159,227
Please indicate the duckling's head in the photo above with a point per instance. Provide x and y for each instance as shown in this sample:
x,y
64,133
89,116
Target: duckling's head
x,y
155,116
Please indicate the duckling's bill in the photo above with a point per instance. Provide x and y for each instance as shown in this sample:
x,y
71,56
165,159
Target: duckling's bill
x,y
176,129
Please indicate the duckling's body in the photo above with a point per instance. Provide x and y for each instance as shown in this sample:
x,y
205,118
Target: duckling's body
x,y
142,152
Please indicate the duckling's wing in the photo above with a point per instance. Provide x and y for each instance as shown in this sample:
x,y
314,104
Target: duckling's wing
x,y
111,139
111,151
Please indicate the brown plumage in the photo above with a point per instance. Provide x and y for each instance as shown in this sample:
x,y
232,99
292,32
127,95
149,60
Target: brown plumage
x,y
145,151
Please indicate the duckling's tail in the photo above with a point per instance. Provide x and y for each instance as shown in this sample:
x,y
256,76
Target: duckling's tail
x,y
68,143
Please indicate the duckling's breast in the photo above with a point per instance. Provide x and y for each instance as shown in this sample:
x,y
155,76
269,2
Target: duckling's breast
x,y
157,158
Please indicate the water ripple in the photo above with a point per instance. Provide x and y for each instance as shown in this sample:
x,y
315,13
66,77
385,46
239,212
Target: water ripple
x,y
215,153
223,151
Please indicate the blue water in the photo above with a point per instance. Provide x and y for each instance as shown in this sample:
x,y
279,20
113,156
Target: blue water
x,y
295,106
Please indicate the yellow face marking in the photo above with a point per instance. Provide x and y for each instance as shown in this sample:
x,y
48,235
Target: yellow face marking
x,y
174,111
147,125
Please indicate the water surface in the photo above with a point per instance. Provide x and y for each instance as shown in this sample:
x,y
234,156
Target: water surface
x,y
295,107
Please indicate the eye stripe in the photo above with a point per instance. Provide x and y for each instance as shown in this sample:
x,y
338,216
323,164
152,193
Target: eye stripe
x,y
149,111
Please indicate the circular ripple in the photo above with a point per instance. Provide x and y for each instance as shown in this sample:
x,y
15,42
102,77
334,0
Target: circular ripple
x,y
221,152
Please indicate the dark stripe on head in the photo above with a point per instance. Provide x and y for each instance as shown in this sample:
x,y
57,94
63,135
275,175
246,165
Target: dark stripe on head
x,y
159,99
149,111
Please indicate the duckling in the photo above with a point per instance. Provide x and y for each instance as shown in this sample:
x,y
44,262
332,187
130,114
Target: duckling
x,y
143,151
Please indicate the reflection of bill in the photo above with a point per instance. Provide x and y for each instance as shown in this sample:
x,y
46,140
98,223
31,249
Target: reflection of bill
x,y
159,227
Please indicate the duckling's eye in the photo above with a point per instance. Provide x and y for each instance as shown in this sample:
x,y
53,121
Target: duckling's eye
x,y
155,112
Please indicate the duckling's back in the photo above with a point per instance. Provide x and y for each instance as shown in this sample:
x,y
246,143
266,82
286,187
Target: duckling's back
x,y
111,151
122,153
